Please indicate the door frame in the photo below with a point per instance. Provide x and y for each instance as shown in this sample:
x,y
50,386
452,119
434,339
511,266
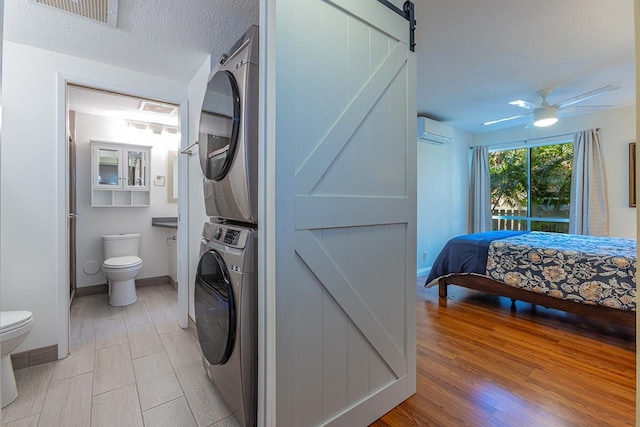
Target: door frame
x,y
266,205
62,208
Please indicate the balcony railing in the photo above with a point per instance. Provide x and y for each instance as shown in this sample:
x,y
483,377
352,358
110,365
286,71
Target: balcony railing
x,y
513,219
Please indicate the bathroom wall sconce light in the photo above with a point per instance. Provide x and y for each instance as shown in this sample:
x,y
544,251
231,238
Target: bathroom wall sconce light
x,y
156,128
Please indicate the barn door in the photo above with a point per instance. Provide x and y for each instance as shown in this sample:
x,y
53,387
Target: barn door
x,y
344,212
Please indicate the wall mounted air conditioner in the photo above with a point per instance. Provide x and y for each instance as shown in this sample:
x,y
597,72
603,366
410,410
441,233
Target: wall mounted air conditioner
x,y
434,132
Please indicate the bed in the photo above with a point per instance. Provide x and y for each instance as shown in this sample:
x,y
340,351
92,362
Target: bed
x,y
585,275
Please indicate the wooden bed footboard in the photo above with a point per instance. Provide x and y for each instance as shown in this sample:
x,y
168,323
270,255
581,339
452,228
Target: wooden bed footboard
x,y
488,285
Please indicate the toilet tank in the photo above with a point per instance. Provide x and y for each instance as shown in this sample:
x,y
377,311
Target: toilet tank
x,y
115,245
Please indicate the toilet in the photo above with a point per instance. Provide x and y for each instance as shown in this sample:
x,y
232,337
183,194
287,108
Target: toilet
x,y
121,266
14,328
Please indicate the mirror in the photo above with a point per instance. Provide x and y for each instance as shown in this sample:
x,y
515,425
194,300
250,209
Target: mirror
x,y
172,174
136,164
108,167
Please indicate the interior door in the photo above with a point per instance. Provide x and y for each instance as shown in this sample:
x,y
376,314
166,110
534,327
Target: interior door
x,y
344,207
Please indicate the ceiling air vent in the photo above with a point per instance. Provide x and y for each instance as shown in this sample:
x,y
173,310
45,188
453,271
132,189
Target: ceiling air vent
x,y
157,107
105,11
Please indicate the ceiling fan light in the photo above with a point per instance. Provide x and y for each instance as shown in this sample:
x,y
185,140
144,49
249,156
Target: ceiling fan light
x,y
545,122
543,117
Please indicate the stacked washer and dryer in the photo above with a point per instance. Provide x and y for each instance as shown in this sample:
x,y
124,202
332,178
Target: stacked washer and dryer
x,y
226,289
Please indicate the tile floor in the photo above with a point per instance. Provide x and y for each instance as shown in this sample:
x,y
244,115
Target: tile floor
x,y
128,366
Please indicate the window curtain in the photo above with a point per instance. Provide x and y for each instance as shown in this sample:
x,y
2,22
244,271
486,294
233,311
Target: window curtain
x,y
480,192
588,210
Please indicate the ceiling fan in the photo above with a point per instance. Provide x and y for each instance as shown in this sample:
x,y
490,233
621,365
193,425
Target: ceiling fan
x,y
546,115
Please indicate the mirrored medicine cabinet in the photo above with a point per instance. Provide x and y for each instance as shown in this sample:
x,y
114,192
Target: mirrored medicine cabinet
x,y
120,174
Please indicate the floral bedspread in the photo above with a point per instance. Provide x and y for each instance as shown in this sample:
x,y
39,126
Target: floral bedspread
x,y
584,269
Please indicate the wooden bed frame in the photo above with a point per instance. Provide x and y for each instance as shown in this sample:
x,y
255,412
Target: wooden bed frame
x,y
485,284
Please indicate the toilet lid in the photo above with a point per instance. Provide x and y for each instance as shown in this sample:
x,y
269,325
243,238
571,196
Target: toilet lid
x,y
11,319
123,262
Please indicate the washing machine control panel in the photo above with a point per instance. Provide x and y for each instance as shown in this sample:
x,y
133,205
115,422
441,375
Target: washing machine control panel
x,y
231,237
208,231
225,234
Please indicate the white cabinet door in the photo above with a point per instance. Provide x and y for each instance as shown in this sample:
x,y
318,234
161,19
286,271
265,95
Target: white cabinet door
x,y
106,167
135,171
344,211
119,166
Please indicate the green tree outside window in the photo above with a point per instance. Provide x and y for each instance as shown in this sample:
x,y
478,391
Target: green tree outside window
x,y
531,188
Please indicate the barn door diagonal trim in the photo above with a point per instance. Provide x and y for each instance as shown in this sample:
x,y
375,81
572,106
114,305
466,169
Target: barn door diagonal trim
x,y
319,262
314,167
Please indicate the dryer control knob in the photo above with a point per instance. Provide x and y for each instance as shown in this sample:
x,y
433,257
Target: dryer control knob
x,y
218,233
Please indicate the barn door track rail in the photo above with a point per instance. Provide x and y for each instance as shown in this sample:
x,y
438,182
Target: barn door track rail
x,y
408,13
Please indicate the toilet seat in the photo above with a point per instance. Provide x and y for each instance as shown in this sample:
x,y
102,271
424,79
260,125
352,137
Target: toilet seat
x,y
122,262
10,320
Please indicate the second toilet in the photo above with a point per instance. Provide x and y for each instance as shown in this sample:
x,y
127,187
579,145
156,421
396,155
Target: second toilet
x,y
121,266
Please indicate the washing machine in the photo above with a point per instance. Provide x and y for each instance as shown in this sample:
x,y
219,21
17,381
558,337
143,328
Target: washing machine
x,y
228,134
226,300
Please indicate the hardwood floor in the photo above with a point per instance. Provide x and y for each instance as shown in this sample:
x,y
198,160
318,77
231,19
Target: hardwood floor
x,y
482,364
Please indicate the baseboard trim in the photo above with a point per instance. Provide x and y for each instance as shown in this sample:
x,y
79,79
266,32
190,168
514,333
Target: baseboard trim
x,y
192,328
153,281
147,281
92,290
173,283
34,357
423,271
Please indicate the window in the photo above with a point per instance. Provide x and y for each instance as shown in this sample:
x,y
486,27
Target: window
x,y
531,188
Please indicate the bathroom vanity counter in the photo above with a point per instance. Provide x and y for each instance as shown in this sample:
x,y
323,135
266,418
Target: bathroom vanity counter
x,y
165,222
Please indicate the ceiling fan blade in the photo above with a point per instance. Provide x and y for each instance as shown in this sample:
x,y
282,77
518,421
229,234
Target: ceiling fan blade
x,y
582,108
585,96
524,104
504,120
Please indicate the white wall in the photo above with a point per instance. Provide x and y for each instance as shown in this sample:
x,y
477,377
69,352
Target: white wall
x,y
32,176
1,39
94,222
197,212
443,185
617,130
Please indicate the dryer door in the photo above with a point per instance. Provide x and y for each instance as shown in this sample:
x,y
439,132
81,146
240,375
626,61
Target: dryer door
x,y
215,309
219,125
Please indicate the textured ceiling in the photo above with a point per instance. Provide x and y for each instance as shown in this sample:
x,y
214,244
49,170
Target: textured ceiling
x,y
168,38
474,56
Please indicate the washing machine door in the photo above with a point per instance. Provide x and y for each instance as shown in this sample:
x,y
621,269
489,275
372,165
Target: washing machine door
x,y
215,308
219,125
